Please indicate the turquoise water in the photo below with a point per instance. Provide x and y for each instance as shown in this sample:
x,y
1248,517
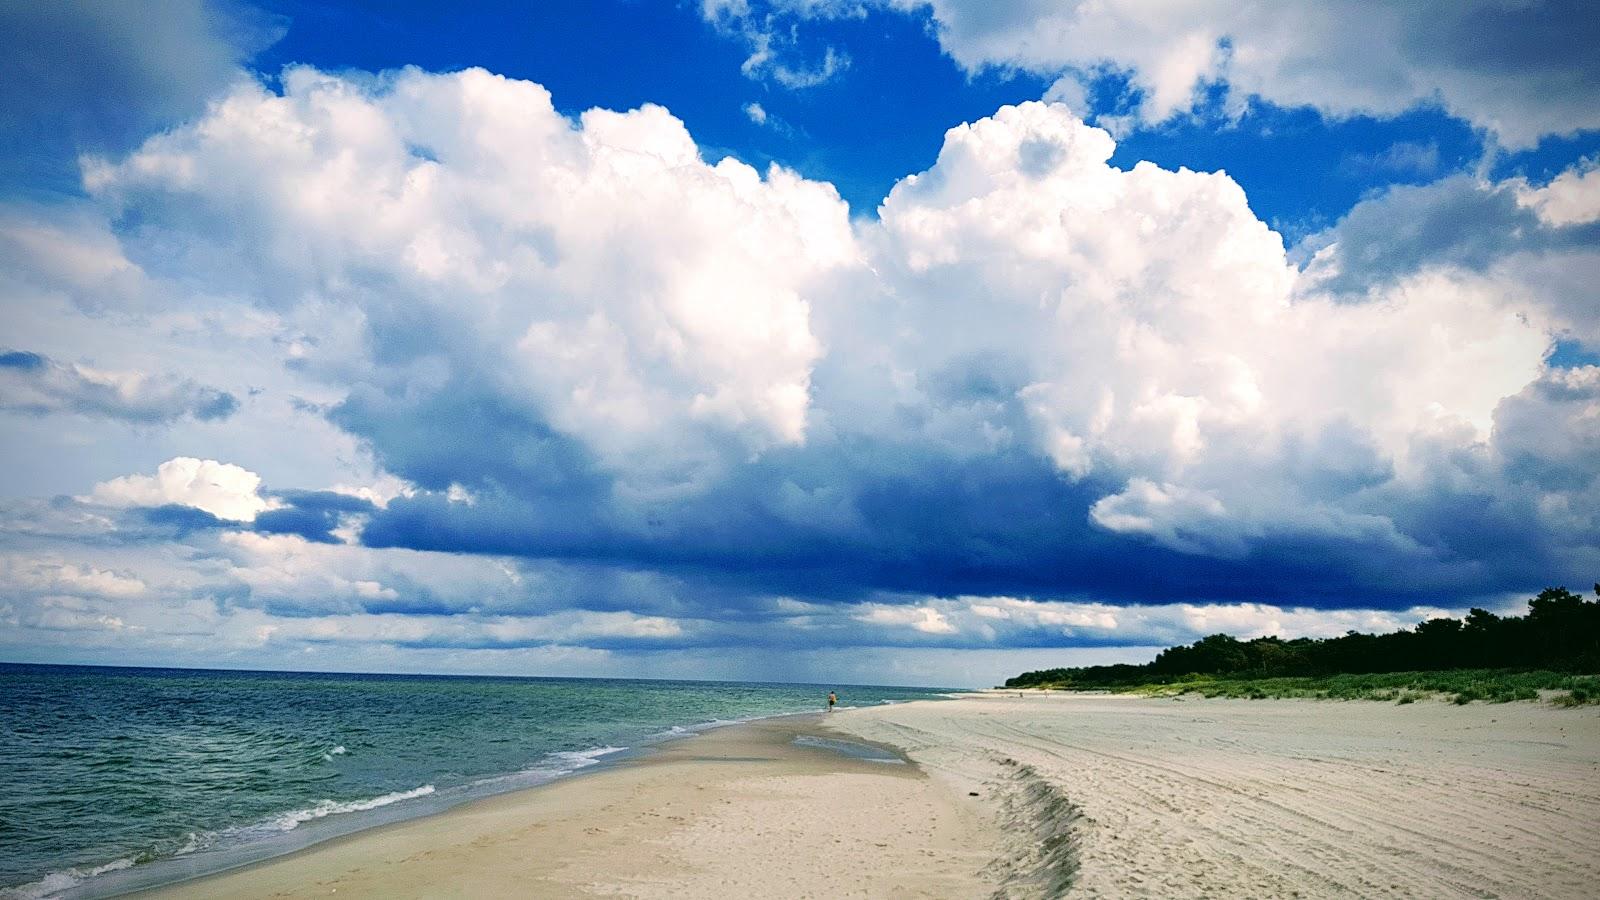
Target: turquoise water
x,y
116,778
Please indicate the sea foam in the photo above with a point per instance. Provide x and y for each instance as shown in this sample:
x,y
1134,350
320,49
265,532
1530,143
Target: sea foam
x,y
583,758
56,882
295,818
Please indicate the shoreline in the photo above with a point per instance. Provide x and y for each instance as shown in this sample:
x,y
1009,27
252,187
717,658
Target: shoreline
x,y
291,829
124,877
1025,796
155,796
701,787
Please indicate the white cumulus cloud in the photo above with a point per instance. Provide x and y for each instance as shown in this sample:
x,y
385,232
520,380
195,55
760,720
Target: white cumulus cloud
x,y
1571,198
629,292
925,619
221,489
1153,329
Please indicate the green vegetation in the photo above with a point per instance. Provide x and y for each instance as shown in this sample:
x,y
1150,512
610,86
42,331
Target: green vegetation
x,y
1554,648
1459,685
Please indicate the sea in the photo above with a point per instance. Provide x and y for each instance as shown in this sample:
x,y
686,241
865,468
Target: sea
x,y
115,779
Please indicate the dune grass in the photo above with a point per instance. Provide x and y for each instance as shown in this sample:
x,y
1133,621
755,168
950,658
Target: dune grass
x,y
1457,685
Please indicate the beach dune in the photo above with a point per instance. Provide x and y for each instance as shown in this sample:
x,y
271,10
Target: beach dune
x,y
1042,795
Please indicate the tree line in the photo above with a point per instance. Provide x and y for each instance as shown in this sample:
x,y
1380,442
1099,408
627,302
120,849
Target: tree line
x,y
1560,632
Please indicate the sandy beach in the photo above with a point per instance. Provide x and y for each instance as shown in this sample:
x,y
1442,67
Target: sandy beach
x,y
1278,798
1039,795
737,812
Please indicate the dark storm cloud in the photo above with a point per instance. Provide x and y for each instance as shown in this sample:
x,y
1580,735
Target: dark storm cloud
x,y
465,432
180,521
1003,524
313,515
79,76
1548,42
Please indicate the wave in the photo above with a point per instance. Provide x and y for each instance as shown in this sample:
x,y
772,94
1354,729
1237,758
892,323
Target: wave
x,y
289,821
553,766
677,731
582,758
307,761
295,818
56,882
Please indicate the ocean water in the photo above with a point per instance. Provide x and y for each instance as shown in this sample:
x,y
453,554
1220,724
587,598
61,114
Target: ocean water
x,y
112,779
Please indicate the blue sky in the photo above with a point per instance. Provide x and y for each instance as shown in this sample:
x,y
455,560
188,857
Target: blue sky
x,y
910,341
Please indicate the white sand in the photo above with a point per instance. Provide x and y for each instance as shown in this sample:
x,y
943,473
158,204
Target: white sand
x,y
1242,798
1083,795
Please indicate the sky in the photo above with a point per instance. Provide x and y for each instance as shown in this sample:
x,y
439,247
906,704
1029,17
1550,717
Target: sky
x,y
845,341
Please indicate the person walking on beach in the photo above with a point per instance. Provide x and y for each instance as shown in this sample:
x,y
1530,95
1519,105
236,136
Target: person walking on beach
x,y
832,699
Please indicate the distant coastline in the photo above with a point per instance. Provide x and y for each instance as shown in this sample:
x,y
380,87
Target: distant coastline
x,y
1552,652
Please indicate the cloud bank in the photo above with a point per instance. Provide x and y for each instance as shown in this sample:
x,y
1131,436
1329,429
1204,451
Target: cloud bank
x,y
622,399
